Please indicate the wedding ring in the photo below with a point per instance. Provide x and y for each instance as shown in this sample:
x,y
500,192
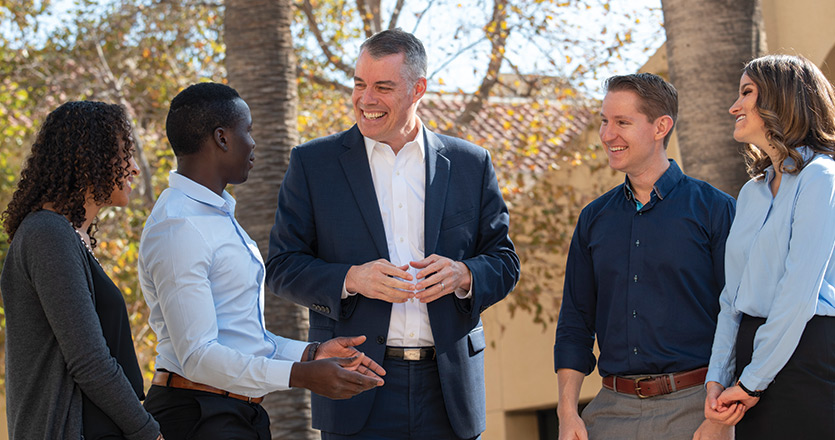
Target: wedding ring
x,y
443,287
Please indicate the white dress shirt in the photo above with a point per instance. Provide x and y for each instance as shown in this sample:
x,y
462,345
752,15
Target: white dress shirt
x,y
203,279
400,184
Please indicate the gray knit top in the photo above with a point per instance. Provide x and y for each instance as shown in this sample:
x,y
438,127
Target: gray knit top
x,y
54,343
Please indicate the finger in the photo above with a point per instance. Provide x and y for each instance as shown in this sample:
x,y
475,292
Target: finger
x,y
373,366
351,341
433,268
433,293
396,284
368,373
350,363
395,271
424,262
394,295
434,279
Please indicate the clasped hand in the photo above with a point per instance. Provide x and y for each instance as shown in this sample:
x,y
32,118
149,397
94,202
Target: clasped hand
x,y
727,406
339,370
380,279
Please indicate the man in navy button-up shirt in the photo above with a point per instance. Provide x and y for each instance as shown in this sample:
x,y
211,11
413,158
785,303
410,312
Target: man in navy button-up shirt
x,y
644,273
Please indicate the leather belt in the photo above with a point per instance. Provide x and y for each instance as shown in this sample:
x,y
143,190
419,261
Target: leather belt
x,y
174,380
410,354
656,385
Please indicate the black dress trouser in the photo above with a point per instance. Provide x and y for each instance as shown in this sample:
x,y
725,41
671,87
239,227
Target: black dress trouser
x,y
800,403
190,414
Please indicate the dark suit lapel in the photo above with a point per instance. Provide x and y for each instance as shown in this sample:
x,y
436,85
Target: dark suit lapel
x,y
358,173
437,181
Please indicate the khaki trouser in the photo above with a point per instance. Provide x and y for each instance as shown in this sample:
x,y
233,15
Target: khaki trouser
x,y
617,416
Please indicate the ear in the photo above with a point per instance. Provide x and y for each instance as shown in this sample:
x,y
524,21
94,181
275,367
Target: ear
x,y
663,125
220,139
419,89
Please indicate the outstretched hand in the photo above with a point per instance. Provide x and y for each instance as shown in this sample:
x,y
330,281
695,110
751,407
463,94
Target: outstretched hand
x,y
334,378
345,347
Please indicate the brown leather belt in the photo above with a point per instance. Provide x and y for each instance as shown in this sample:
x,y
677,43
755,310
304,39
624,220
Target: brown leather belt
x,y
174,380
410,354
656,385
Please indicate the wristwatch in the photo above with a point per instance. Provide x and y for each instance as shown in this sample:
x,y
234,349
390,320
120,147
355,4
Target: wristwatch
x,y
757,393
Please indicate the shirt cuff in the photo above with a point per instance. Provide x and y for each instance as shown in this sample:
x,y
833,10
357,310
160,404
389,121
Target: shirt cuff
x,y
465,294
345,292
294,350
753,382
278,373
720,376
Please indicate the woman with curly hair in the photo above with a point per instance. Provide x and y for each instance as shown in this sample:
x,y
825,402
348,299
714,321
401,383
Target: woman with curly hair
x,y
71,369
772,368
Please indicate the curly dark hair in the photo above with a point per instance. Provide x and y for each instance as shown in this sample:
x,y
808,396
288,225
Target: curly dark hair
x,y
82,146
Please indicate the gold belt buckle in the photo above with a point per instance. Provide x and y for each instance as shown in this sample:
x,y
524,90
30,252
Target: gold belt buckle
x,y
638,386
411,354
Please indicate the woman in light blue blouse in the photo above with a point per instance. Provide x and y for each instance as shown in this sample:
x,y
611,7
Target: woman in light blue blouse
x,y
772,368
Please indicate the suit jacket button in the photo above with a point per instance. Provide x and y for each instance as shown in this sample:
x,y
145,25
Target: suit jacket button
x,y
381,340
326,309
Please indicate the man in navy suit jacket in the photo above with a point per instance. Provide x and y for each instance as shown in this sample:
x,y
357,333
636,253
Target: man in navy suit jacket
x,y
400,234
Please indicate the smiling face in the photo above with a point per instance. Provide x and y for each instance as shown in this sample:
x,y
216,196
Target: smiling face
x,y
749,127
239,156
634,144
385,101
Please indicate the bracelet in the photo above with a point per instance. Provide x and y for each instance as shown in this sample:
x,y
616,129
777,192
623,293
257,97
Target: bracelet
x,y
311,350
756,393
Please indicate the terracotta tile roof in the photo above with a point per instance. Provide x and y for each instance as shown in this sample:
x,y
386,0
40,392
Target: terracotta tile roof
x,y
521,133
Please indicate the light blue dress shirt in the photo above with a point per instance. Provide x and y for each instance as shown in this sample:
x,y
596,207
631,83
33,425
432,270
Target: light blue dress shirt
x,y
203,279
778,265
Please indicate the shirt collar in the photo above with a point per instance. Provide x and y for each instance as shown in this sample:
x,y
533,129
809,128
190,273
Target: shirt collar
x,y
371,143
200,193
806,154
662,186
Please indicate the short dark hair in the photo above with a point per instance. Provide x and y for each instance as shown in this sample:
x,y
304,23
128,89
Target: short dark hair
x,y
196,112
395,41
658,97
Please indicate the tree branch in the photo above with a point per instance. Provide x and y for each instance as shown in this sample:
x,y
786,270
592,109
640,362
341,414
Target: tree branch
x,y
146,190
395,14
498,37
307,8
365,14
422,14
324,81
455,55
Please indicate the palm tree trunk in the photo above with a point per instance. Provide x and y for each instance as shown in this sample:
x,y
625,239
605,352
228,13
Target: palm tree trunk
x,y
708,43
261,65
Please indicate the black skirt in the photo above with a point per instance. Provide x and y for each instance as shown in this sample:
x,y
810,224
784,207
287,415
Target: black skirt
x,y
800,403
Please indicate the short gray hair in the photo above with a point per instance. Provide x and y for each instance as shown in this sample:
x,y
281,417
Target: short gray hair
x,y
395,41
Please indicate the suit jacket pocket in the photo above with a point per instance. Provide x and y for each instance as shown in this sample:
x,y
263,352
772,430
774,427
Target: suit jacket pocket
x,y
458,219
477,342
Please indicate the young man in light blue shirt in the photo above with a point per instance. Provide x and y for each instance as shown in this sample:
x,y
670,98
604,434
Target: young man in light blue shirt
x,y
203,279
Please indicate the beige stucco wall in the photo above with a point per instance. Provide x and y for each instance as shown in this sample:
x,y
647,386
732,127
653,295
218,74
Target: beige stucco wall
x,y
800,27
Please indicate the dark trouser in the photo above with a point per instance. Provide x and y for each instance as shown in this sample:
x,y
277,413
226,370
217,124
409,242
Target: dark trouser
x,y
409,406
189,414
800,403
